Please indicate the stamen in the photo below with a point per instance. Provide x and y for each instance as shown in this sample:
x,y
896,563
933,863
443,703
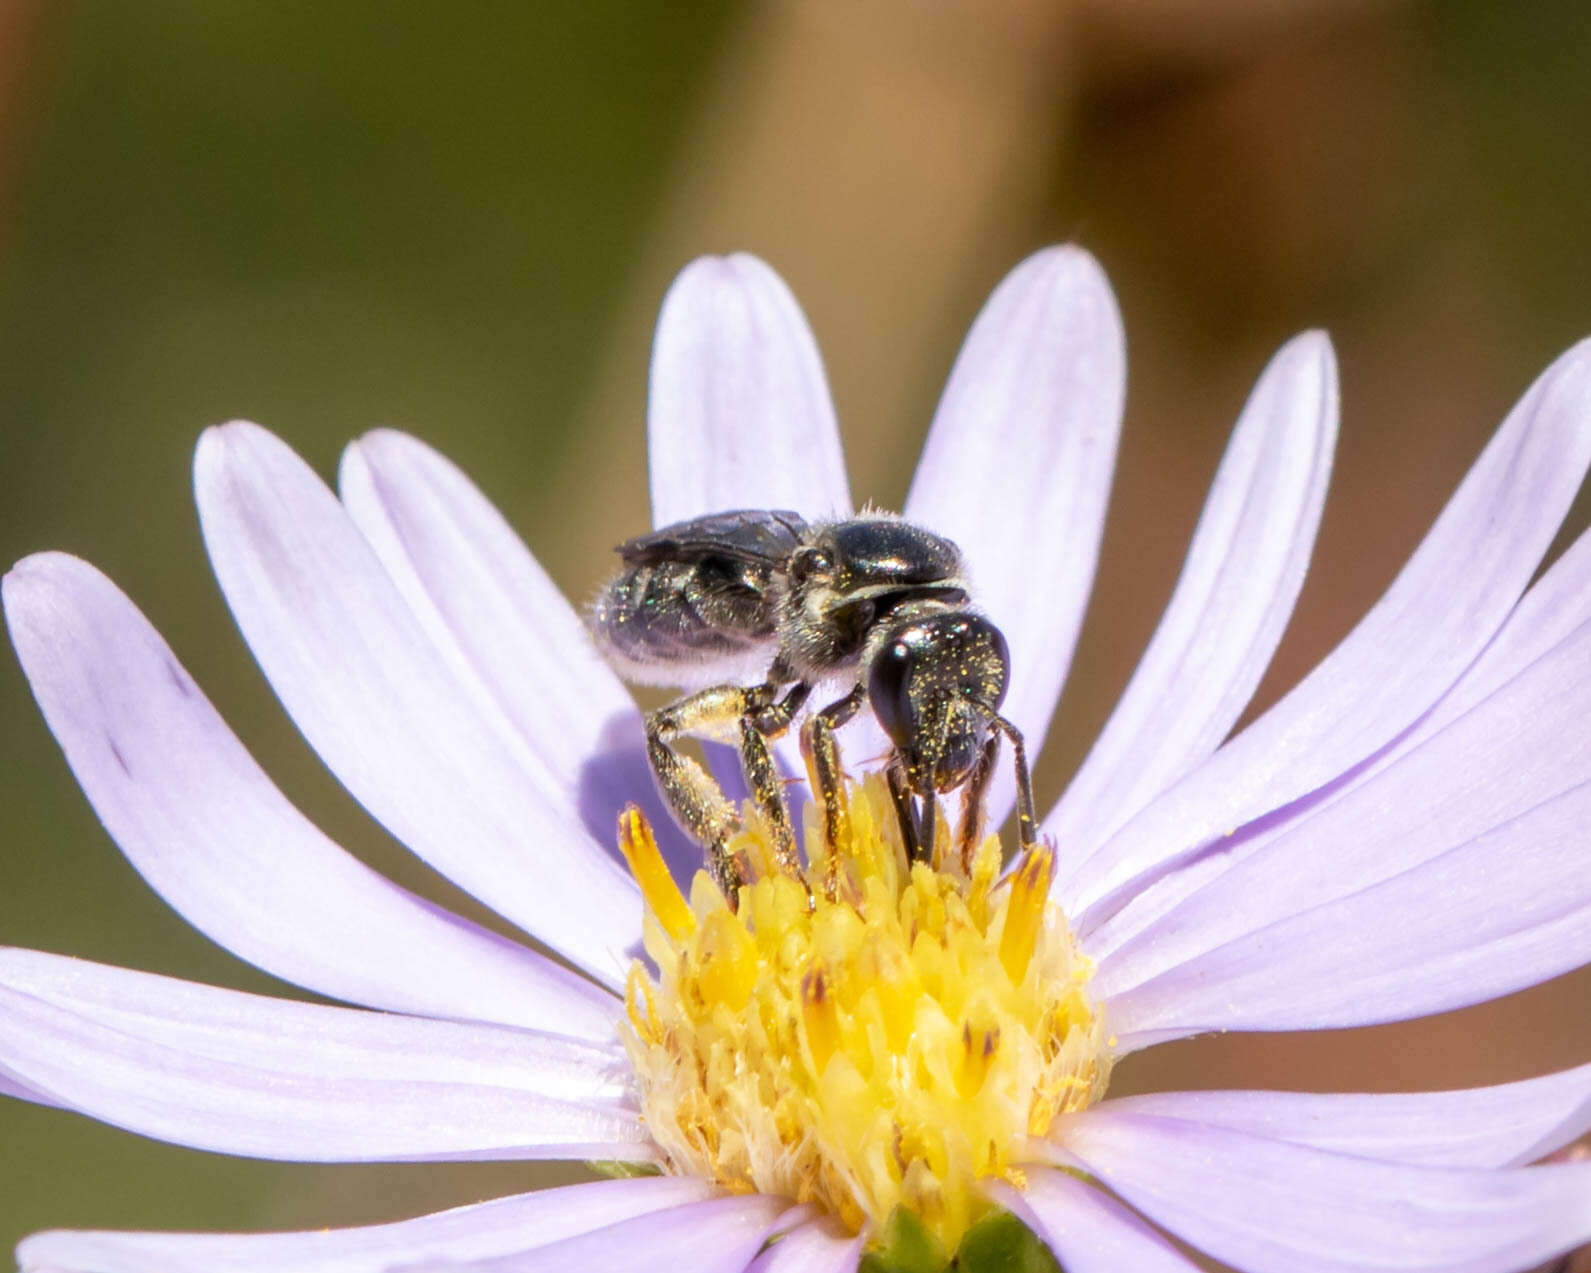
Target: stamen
x,y
878,1034
726,961
819,1016
1024,914
661,894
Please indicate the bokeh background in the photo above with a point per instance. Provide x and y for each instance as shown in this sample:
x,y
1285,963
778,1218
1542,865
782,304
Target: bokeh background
x,y
459,220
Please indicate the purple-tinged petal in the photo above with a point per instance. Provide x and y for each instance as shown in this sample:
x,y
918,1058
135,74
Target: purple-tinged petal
x,y
210,833
355,670
721,1235
505,629
244,1074
1264,1205
1496,793
290,1037
1556,605
739,414
819,1246
1505,910
1505,1125
503,1226
1238,585
1414,644
12,1086
1018,464
1088,1231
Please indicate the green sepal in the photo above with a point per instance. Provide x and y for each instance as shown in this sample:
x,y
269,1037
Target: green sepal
x,y
904,1246
998,1243
624,1170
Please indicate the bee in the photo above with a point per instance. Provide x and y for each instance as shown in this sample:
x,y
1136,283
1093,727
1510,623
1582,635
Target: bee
x,y
753,610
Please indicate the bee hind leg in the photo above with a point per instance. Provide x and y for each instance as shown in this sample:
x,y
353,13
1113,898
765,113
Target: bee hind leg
x,y
749,715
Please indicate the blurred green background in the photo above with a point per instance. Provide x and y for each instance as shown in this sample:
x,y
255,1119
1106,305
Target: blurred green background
x,y
459,220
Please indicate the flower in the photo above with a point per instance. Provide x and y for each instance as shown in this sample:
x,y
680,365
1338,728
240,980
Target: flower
x,y
1401,834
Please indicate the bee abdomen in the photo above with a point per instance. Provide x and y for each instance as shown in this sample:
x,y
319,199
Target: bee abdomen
x,y
670,614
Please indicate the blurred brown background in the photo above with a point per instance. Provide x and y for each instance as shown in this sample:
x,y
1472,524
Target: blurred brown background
x,y
460,222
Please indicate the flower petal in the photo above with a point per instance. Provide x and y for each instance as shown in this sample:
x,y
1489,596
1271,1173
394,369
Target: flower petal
x,y
1263,1205
1232,601
1414,644
1505,910
1025,440
505,629
206,828
268,1078
1501,787
739,413
16,1089
356,672
721,1235
500,1227
819,1246
1556,605
1504,1125
1088,1231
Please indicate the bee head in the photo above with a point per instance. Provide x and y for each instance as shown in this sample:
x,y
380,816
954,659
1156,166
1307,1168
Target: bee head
x,y
933,683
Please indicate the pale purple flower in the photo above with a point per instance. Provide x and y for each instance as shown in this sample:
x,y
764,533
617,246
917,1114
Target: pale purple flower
x,y
1404,833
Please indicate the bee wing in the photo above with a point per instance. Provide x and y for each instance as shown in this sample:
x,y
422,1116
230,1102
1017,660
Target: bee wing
x,y
754,535
693,604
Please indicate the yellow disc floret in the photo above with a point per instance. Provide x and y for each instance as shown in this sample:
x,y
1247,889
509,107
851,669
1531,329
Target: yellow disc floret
x,y
879,1034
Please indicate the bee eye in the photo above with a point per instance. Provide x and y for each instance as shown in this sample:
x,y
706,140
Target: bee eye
x,y
809,561
889,690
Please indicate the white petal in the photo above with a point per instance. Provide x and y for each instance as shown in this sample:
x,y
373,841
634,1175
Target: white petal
x,y
721,1235
819,1246
1018,464
1504,1125
204,825
1556,605
245,1074
1408,651
739,413
371,694
1500,912
1264,1205
1087,1231
482,1231
506,630
1466,840
1232,601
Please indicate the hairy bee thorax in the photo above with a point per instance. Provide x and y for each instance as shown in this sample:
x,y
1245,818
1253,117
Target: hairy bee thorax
x,y
877,1034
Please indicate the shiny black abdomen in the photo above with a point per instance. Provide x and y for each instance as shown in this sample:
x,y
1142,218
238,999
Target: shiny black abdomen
x,y
697,591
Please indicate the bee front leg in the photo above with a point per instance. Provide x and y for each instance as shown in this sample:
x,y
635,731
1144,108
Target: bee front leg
x,y
822,755
972,798
1027,824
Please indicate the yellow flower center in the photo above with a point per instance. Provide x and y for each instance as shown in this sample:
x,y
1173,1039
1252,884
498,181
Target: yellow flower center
x,y
879,1034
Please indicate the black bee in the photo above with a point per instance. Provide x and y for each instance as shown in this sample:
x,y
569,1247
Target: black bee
x,y
753,609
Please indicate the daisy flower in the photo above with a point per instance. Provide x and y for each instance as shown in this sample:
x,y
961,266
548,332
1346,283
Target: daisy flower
x,y
881,1068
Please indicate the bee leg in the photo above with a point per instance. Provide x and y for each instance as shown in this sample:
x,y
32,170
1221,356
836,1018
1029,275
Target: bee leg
x,y
972,797
1027,825
762,778
828,779
905,813
695,799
